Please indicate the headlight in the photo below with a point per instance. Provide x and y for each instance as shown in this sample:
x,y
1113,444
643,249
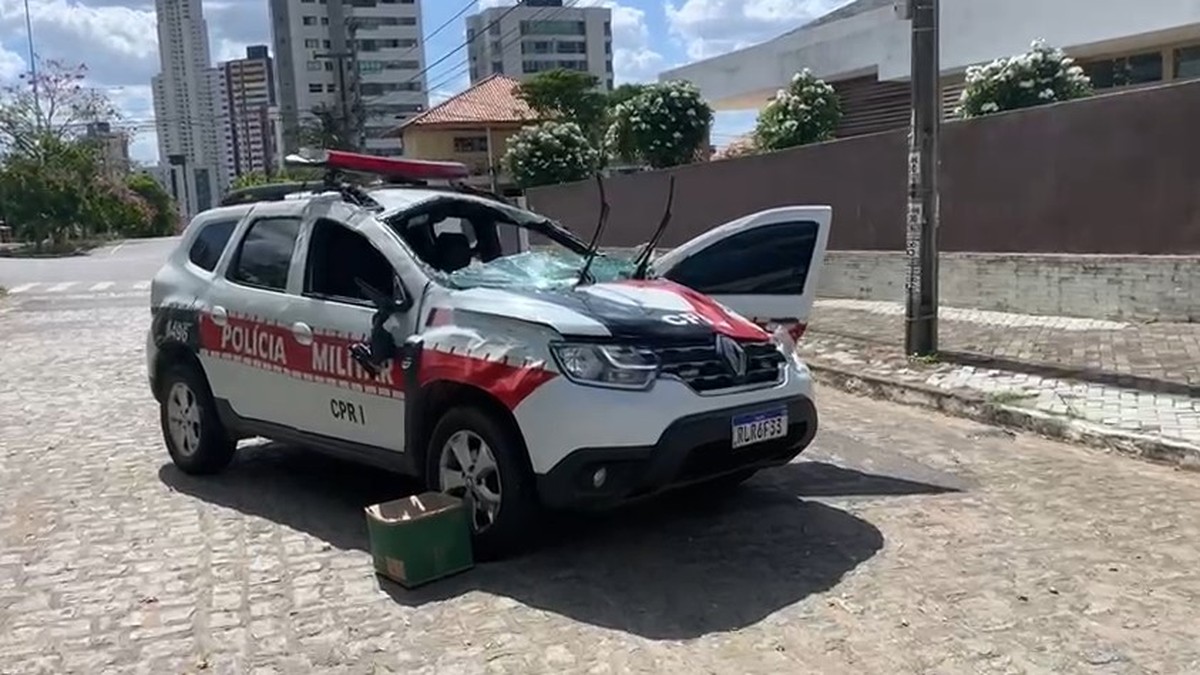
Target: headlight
x,y
790,355
616,366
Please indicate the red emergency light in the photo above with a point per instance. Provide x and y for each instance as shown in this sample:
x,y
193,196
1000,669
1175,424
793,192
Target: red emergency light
x,y
411,169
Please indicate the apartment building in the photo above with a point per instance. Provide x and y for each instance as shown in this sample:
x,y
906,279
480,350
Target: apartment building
x,y
186,96
249,92
523,40
358,60
113,145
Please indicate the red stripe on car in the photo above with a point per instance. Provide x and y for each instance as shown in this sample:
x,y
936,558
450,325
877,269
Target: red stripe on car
x,y
508,383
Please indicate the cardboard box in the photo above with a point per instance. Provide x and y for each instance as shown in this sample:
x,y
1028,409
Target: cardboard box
x,y
418,539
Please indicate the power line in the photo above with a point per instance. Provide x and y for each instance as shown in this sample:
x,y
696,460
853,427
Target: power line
x,y
442,27
466,42
463,66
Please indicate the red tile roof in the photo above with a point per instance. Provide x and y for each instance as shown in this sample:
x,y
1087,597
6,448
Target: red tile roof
x,y
493,99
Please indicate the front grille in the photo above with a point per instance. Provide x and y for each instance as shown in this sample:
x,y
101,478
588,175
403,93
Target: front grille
x,y
703,369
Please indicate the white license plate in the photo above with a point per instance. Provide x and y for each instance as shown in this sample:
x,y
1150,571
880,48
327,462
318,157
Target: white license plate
x,y
759,427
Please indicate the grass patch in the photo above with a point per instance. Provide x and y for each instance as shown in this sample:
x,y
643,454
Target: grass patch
x,y
1007,397
65,249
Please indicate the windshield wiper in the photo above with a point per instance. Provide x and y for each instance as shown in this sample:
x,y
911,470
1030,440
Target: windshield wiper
x,y
593,247
643,259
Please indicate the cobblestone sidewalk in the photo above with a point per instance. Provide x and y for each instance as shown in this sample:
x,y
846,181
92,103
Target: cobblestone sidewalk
x,y
864,337
1160,357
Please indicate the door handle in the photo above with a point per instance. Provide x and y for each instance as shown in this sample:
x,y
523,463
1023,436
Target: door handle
x,y
219,315
303,333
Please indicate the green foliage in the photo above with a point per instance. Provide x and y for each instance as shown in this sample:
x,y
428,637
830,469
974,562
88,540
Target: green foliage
x,y
566,95
1042,75
808,111
550,153
164,217
329,129
290,175
665,125
53,186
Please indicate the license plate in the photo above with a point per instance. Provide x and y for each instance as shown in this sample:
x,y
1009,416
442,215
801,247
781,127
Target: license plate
x,y
759,427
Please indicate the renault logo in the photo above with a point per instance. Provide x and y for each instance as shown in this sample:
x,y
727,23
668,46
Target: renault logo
x,y
733,354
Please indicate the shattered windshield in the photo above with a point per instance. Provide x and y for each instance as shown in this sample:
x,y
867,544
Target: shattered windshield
x,y
542,269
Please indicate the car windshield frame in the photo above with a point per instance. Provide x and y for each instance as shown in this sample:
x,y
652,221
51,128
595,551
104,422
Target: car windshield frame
x,y
566,242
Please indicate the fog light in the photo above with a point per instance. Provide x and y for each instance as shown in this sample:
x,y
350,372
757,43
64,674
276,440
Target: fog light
x,y
599,477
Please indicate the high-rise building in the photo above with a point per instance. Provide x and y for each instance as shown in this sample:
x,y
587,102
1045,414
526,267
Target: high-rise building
x,y
540,35
354,64
248,89
113,145
186,108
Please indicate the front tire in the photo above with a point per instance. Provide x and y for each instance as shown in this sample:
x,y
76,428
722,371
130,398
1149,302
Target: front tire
x,y
196,440
476,457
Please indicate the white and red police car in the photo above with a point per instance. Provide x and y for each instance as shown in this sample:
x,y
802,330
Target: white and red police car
x,y
413,328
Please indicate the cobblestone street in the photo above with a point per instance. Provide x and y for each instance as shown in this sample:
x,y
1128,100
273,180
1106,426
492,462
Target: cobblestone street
x,y
906,542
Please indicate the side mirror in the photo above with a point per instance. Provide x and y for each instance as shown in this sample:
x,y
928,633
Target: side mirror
x,y
380,345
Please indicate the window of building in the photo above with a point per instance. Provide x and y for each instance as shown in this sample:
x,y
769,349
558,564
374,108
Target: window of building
x,y
553,28
315,88
470,143
536,47
210,244
312,43
498,67
572,47
1125,71
1187,62
494,28
316,66
265,255
309,21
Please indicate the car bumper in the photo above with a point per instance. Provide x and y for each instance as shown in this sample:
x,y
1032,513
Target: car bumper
x,y
691,449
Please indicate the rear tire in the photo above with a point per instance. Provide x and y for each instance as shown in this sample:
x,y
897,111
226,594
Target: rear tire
x,y
476,457
196,440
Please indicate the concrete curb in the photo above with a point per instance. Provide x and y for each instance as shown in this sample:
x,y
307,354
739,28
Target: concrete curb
x,y
976,407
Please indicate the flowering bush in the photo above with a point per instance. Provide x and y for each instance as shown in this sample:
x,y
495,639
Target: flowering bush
x,y
665,125
806,112
549,153
1041,75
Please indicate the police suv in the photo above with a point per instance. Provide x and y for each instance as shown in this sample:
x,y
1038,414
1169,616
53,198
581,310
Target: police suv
x,y
410,325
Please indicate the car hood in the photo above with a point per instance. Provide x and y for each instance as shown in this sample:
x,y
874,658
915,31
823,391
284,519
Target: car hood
x,y
630,309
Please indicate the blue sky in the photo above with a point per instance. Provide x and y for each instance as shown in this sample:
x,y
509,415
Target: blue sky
x,y
117,40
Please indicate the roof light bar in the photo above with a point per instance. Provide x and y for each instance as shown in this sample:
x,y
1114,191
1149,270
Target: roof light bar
x,y
412,169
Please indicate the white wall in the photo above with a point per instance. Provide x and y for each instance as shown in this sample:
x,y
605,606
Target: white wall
x,y
972,31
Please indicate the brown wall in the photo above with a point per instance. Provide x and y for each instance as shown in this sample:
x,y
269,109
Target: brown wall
x,y
1115,174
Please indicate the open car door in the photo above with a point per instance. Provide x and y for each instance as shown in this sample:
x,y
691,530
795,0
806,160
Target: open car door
x,y
763,266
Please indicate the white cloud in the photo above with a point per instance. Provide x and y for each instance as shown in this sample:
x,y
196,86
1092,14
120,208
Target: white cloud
x,y
707,28
11,65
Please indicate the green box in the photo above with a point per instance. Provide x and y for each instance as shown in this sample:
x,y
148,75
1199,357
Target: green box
x,y
415,540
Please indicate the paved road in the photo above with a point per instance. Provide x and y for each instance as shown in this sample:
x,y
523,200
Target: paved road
x,y
904,543
133,260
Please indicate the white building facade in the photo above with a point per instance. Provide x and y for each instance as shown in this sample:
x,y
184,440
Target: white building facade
x,y
865,45
186,108
540,35
360,59
248,90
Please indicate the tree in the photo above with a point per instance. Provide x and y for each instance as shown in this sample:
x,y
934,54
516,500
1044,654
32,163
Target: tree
x,y
624,93
665,125
290,175
550,153
328,129
61,110
568,96
164,217
1042,75
808,111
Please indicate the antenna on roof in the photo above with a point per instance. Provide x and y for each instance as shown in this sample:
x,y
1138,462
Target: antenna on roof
x,y
643,259
600,224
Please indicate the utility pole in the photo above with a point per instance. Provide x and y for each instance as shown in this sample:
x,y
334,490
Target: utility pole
x,y
921,328
343,29
33,74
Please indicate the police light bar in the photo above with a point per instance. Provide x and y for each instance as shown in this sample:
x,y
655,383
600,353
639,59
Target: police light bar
x,y
412,169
